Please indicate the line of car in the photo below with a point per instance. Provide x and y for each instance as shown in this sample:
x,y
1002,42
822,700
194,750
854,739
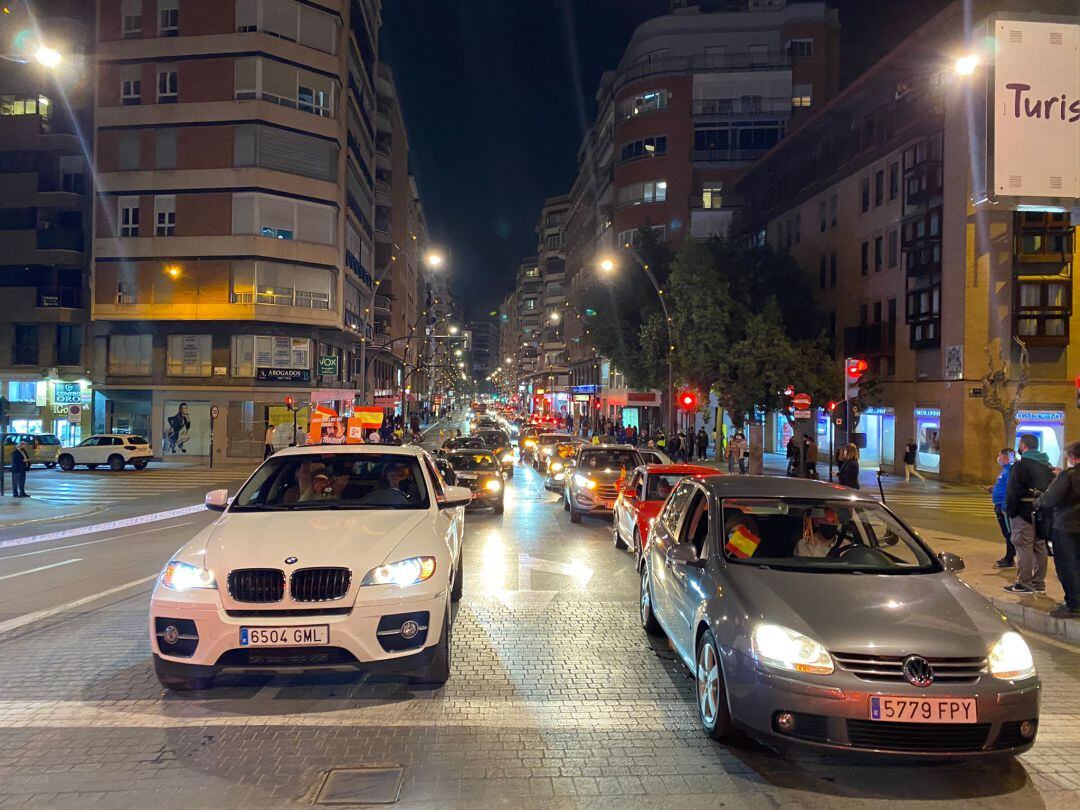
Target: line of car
x,y
112,450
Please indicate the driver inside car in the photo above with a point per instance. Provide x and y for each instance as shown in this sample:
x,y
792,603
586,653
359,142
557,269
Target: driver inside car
x,y
820,525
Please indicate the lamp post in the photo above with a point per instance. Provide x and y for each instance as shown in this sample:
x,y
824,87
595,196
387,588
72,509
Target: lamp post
x,y
608,265
176,273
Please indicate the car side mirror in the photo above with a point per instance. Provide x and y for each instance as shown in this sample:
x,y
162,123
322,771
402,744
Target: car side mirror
x,y
685,554
952,562
217,500
455,496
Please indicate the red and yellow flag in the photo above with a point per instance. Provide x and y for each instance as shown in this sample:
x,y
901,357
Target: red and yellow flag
x,y
742,543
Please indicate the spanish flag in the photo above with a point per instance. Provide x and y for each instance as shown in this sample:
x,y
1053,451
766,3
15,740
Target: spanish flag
x,y
742,543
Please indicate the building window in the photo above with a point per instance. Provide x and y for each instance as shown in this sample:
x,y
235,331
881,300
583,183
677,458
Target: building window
x,y
832,210
821,273
131,19
128,215
798,228
168,18
832,271
73,174
1041,234
313,101
758,54
130,92
284,218
739,140
167,87
894,248
22,391
800,48
632,237
125,292
643,104
640,193
1041,310
165,215
879,187
130,354
894,180
864,194
646,147
802,95
552,241
862,315
68,344
25,104
879,254
24,348
189,356
165,148
864,263
924,310
711,197
822,216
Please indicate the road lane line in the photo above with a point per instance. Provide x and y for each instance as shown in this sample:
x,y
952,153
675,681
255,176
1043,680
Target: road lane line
x,y
48,613
123,523
94,542
41,568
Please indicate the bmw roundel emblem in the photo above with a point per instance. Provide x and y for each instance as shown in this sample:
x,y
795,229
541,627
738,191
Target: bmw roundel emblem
x,y
918,671
290,560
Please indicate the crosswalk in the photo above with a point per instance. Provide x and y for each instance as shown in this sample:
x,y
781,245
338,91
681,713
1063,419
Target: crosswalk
x,y
106,488
973,505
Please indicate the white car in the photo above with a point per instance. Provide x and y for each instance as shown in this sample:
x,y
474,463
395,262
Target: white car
x,y
329,556
115,449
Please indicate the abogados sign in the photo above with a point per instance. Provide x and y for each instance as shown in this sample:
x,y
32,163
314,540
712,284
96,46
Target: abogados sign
x,y
1036,115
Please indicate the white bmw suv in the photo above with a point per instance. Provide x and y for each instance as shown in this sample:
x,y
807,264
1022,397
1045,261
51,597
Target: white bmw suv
x,y
329,556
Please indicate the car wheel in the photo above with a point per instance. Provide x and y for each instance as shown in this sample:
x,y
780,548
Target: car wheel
x,y
139,465
575,515
619,542
711,694
175,683
438,671
50,464
637,546
648,619
459,581
497,509
90,466
116,463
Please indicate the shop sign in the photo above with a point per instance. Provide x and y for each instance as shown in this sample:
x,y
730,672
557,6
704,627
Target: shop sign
x,y
878,410
581,397
584,389
296,374
328,365
67,393
386,402
802,414
1040,416
74,414
643,398
930,412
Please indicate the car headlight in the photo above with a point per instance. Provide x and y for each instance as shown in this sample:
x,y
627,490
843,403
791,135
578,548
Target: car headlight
x,y
556,466
548,451
182,576
401,573
782,648
493,485
1010,659
530,443
508,458
582,481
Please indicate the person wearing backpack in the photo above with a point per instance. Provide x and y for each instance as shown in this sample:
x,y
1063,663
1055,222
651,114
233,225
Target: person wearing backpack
x,y
1063,497
1029,477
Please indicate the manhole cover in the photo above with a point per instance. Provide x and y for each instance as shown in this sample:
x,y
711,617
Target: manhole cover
x,y
360,786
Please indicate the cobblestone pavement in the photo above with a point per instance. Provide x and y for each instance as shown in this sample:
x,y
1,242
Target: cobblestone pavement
x,y
557,699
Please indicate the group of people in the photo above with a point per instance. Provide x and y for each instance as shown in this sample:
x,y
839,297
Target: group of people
x,y
1037,507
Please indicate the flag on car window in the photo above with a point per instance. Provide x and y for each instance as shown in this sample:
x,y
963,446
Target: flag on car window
x,y
742,542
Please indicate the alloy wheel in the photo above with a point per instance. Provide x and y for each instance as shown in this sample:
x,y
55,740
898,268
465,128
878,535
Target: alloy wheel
x,y
708,684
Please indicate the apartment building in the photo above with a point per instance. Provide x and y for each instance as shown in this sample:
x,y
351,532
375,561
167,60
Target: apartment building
x,y
240,149
551,377
878,197
485,348
521,329
45,187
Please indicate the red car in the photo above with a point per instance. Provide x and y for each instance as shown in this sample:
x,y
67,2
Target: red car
x,y
641,497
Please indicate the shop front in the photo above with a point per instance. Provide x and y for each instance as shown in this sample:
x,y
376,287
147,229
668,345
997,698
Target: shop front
x,y
928,439
1049,426
60,407
879,425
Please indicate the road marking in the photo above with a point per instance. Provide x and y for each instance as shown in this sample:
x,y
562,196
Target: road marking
x,y
48,613
138,520
93,542
41,568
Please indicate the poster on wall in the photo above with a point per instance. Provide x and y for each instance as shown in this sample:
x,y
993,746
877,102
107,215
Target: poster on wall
x,y
187,428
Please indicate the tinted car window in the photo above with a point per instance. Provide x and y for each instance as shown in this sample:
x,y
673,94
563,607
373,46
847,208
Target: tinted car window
x,y
136,440
47,438
494,438
93,441
472,461
607,459
674,508
660,486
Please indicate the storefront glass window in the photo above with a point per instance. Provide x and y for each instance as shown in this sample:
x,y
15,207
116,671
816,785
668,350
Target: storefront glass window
x,y
1049,426
928,439
186,429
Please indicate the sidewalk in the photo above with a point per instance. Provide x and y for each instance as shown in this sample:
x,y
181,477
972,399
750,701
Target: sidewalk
x,y
15,512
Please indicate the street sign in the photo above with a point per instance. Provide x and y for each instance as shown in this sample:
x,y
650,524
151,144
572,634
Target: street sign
x,y
74,414
801,401
214,411
803,414
328,365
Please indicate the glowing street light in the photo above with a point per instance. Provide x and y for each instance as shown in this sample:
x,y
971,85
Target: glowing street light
x,y
49,57
434,259
453,330
607,265
966,65
457,352
554,317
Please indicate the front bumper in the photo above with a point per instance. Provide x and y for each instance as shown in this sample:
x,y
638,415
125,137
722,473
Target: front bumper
x,y
361,637
833,713
593,505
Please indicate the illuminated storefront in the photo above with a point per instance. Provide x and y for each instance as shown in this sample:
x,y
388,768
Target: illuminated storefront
x,y
1049,426
928,439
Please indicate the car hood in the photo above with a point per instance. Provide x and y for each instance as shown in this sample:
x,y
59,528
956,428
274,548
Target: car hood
x,y
928,614
356,539
605,475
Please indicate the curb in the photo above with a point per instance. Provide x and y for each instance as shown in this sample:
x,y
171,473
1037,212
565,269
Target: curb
x,y
1038,621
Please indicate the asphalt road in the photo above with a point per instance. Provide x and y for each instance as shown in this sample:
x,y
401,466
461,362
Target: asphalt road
x,y
557,699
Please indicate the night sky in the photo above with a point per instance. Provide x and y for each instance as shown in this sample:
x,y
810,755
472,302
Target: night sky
x,y
497,95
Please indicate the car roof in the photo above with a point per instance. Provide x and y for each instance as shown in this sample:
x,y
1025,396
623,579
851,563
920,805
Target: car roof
x,y
768,486
323,449
113,435
608,447
680,469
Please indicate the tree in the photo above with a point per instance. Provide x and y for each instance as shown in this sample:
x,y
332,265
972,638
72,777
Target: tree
x,y
997,382
700,301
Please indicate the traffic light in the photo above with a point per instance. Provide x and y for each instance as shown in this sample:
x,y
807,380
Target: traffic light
x,y
289,401
687,400
832,405
854,369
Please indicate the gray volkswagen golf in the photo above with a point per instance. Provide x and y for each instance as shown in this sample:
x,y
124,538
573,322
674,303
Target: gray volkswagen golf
x,y
811,615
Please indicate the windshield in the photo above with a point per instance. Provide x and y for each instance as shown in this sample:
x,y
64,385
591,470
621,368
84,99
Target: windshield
x,y
821,536
494,438
472,461
608,460
468,441
335,481
553,438
660,486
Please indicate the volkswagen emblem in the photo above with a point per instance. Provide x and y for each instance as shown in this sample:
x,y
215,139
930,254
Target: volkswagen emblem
x,y
918,671
290,560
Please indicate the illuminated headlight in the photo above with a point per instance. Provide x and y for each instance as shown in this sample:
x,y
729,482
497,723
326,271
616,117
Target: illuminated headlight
x,y
508,458
586,483
530,442
1010,659
556,466
548,451
493,485
182,576
402,573
779,647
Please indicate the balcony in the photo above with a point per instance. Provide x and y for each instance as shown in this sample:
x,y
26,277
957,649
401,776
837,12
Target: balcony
x,y
61,239
771,60
870,339
381,304
59,298
728,155
742,105
382,224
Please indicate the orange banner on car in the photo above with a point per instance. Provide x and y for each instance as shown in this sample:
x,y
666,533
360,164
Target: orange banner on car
x,y
742,543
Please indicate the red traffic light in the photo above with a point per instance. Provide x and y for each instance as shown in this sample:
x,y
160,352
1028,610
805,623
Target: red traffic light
x,y
288,402
832,405
855,369
789,391
687,401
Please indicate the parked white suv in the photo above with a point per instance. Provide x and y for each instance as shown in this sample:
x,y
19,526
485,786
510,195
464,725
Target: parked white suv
x,y
340,556
115,449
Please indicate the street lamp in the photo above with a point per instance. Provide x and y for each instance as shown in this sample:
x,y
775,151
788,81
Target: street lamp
x,y
49,57
453,330
457,352
554,317
176,273
966,64
434,259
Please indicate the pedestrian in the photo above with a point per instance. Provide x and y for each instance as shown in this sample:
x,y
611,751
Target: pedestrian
x,y
734,453
569,423
702,444
1029,477
848,474
20,461
674,447
810,451
744,457
374,437
661,441
909,463
1063,497
268,441
792,457
997,498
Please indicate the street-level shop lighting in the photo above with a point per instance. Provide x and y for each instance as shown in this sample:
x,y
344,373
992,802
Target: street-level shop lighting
x,y
966,65
49,57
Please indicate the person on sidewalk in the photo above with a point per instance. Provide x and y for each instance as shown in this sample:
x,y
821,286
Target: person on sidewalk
x,y
997,497
268,442
733,453
702,444
20,460
810,452
1029,477
909,463
848,473
744,455
1063,496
